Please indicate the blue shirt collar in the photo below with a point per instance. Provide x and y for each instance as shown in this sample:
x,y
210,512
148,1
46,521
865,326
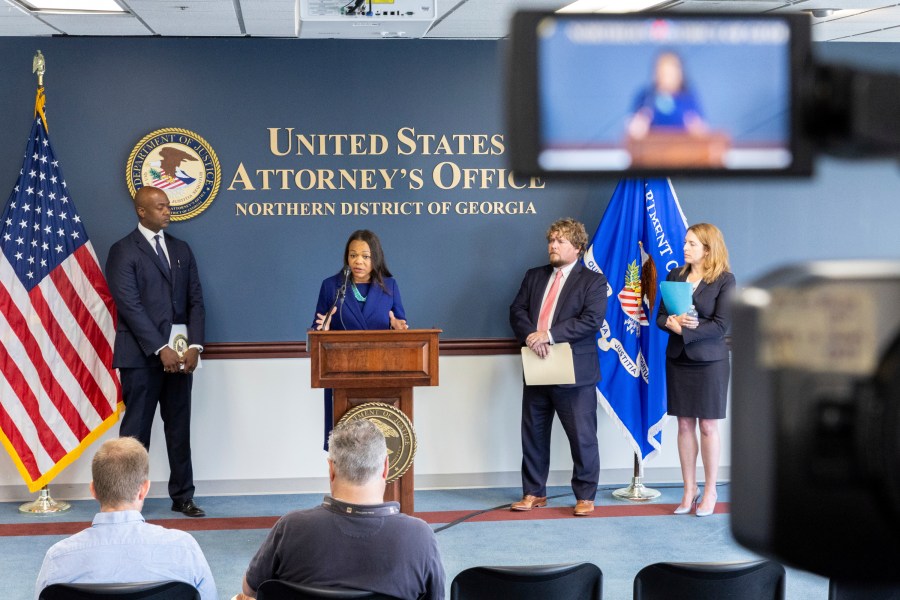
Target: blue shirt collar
x,y
118,516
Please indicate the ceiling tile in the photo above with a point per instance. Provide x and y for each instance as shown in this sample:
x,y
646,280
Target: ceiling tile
x,y
270,17
14,21
188,17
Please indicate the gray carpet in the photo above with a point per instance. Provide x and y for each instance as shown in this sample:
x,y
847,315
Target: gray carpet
x,y
619,545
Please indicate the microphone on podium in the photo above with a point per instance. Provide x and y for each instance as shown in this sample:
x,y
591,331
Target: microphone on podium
x,y
341,292
343,289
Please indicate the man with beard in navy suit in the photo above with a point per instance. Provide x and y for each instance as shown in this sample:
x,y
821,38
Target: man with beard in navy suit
x,y
561,302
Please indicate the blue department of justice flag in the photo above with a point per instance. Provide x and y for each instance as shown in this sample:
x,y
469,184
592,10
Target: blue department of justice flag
x,y
640,238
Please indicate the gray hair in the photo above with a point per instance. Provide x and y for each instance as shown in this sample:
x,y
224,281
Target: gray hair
x,y
357,450
119,469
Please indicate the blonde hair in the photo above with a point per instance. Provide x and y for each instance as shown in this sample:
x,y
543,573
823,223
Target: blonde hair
x,y
571,230
716,261
119,469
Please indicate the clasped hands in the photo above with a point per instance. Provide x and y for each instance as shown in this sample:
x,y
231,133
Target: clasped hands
x,y
675,323
172,363
323,322
539,342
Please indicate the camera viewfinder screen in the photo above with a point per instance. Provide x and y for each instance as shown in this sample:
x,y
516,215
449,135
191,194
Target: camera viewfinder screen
x,y
662,94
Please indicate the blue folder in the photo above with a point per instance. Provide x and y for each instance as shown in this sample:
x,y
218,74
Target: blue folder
x,y
678,296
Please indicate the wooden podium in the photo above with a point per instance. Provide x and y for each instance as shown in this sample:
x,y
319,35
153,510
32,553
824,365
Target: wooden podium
x,y
674,149
376,366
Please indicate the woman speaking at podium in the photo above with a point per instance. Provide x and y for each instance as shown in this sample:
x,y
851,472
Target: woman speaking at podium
x,y
363,295
668,104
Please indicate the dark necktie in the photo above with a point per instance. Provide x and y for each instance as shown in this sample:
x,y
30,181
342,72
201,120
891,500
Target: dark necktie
x,y
162,255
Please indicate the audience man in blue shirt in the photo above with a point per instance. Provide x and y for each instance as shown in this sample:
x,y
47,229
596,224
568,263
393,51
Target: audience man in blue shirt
x,y
120,547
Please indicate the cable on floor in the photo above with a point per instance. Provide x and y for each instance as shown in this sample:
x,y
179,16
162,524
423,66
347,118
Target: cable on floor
x,y
471,515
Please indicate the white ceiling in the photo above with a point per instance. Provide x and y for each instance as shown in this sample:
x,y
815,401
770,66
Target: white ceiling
x,y
852,20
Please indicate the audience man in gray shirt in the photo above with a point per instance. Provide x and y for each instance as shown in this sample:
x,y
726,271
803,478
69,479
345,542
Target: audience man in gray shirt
x,y
354,540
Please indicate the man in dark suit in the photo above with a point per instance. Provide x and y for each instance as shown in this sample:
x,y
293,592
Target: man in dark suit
x,y
153,279
561,302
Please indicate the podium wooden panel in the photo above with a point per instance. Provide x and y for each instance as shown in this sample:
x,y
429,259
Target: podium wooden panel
x,y
673,149
376,366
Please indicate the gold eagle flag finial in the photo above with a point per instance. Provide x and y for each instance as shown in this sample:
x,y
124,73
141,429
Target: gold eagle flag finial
x,y
39,66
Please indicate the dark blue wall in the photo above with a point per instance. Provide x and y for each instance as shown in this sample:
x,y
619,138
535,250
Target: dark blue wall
x,y
261,274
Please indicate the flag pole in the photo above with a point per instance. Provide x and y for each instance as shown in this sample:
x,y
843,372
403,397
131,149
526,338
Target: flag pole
x,y
44,505
636,492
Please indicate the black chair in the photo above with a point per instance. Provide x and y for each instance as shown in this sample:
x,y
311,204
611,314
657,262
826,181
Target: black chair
x,y
580,581
147,590
862,590
755,580
272,589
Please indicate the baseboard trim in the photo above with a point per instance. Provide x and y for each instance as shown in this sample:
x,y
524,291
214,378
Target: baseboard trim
x,y
663,477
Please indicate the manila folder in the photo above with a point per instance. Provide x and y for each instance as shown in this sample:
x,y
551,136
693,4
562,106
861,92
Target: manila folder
x,y
557,368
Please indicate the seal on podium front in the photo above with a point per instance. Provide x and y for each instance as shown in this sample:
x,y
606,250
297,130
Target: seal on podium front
x,y
398,433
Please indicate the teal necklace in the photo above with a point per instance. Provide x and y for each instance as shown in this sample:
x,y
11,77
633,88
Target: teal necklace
x,y
359,297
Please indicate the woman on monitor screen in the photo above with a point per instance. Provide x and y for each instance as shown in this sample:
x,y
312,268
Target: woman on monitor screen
x,y
668,104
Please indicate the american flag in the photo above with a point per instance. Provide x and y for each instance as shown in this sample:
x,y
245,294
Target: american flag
x,y
164,182
58,390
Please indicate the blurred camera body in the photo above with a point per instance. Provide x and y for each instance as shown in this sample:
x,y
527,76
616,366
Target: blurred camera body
x,y
816,347
816,418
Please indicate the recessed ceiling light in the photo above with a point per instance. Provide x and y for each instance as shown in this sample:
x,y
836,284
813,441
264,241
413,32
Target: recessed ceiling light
x,y
608,6
73,6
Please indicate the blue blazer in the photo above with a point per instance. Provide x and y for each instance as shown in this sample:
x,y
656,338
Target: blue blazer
x,y
354,315
579,315
149,301
713,304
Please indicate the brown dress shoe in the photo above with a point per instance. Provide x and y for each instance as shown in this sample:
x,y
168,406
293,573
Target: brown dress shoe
x,y
583,508
528,502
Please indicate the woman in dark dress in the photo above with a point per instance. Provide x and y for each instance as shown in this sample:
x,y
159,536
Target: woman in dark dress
x,y
697,363
372,298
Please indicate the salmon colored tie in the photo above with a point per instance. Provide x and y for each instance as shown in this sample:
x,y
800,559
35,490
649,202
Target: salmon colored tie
x,y
547,309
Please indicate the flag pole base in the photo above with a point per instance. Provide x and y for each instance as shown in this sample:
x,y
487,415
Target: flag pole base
x,y
44,505
636,492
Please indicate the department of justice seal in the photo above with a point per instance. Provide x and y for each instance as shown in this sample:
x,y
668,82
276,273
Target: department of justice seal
x,y
398,433
179,162
180,345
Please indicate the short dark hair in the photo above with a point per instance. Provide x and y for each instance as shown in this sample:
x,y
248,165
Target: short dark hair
x,y
119,469
379,266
